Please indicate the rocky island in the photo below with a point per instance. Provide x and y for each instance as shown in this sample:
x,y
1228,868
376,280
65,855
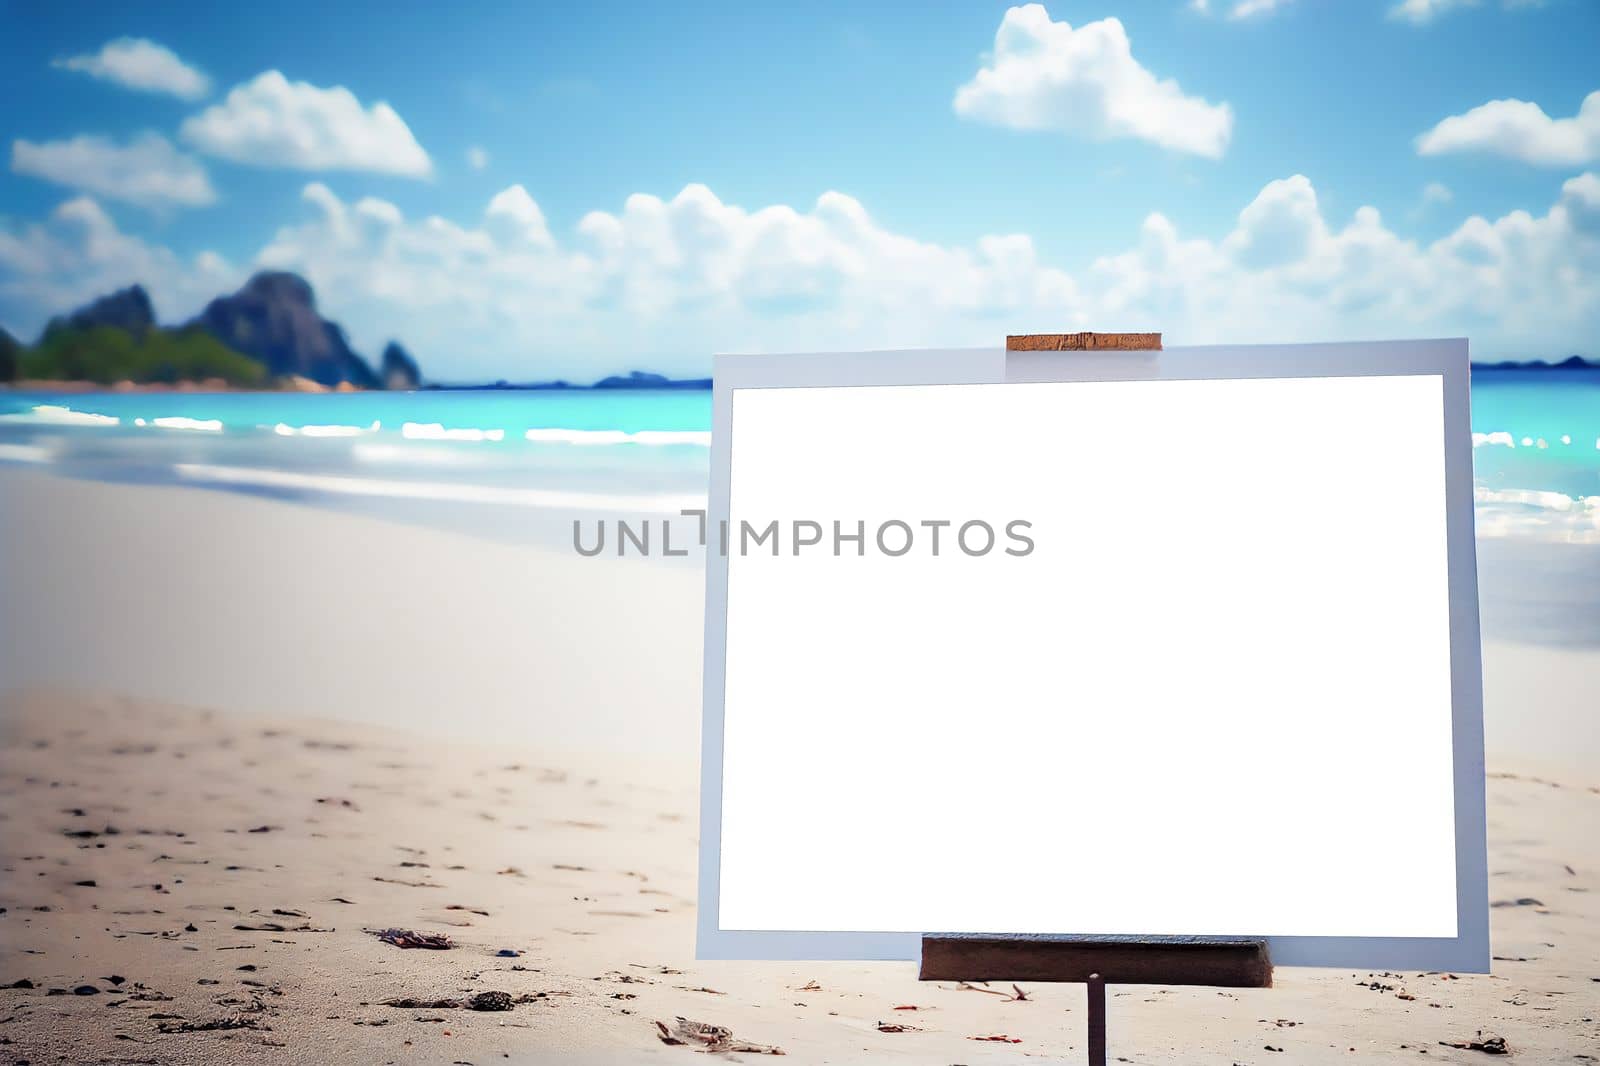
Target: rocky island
x,y
268,335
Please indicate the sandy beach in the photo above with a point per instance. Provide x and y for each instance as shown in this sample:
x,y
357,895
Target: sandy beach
x,y
257,605
243,736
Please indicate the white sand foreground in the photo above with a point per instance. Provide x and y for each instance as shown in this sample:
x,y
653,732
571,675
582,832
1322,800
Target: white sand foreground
x,y
197,869
212,875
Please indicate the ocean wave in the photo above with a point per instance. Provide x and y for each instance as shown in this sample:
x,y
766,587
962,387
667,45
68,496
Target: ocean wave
x,y
51,414
438,431
335,484
26,453
1508,440
654,437
1537,514
199,425
283,429
410,454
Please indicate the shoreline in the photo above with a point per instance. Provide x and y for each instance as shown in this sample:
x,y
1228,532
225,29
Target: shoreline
x,y
297,384
415,624
292,384
641,381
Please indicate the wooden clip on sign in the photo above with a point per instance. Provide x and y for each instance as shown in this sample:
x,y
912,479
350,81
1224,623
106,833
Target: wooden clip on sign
x,y
1084,342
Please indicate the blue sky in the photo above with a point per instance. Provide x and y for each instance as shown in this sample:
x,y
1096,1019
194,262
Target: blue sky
x,y
973,186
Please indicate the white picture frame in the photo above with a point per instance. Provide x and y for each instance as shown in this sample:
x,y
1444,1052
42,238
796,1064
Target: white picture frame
x,y
1467,950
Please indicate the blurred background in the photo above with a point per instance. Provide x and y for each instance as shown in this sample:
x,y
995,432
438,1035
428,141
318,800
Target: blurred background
x,y
321,326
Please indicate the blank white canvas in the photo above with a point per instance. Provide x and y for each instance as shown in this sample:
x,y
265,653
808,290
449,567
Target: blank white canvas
x,y
1215,699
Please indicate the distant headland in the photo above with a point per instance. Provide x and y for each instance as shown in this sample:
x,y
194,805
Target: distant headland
x,y
270,336
1571,362
638,379
267,336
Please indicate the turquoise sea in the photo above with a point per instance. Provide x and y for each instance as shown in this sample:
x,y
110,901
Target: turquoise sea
x,y
1537,437
483,462
520,466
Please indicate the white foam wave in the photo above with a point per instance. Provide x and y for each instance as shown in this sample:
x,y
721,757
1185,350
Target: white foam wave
x,y
283,429
26,453
653,437
1501,437
200,425
51,414
1544,498
374,451
437,431
1538,514
438,491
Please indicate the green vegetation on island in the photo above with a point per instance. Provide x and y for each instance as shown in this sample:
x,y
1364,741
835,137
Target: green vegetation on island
x,y
10,350
106,355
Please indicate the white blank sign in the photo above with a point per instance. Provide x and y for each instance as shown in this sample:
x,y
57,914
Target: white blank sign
x,y
1207,691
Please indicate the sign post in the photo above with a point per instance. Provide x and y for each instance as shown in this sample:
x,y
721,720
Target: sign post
x,y
1095,963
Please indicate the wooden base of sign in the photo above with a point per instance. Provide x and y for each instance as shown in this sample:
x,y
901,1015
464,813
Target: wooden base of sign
x,y
1097,963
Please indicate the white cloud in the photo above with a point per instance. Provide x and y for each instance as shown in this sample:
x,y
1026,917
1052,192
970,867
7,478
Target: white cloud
x,y
137,63
273,122
1520,130
1244,9
1280,226
1517,286
1437,193
516,218
477,157
380,211
1045,75
1421,12
661,282
78,253
147,171
664,283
